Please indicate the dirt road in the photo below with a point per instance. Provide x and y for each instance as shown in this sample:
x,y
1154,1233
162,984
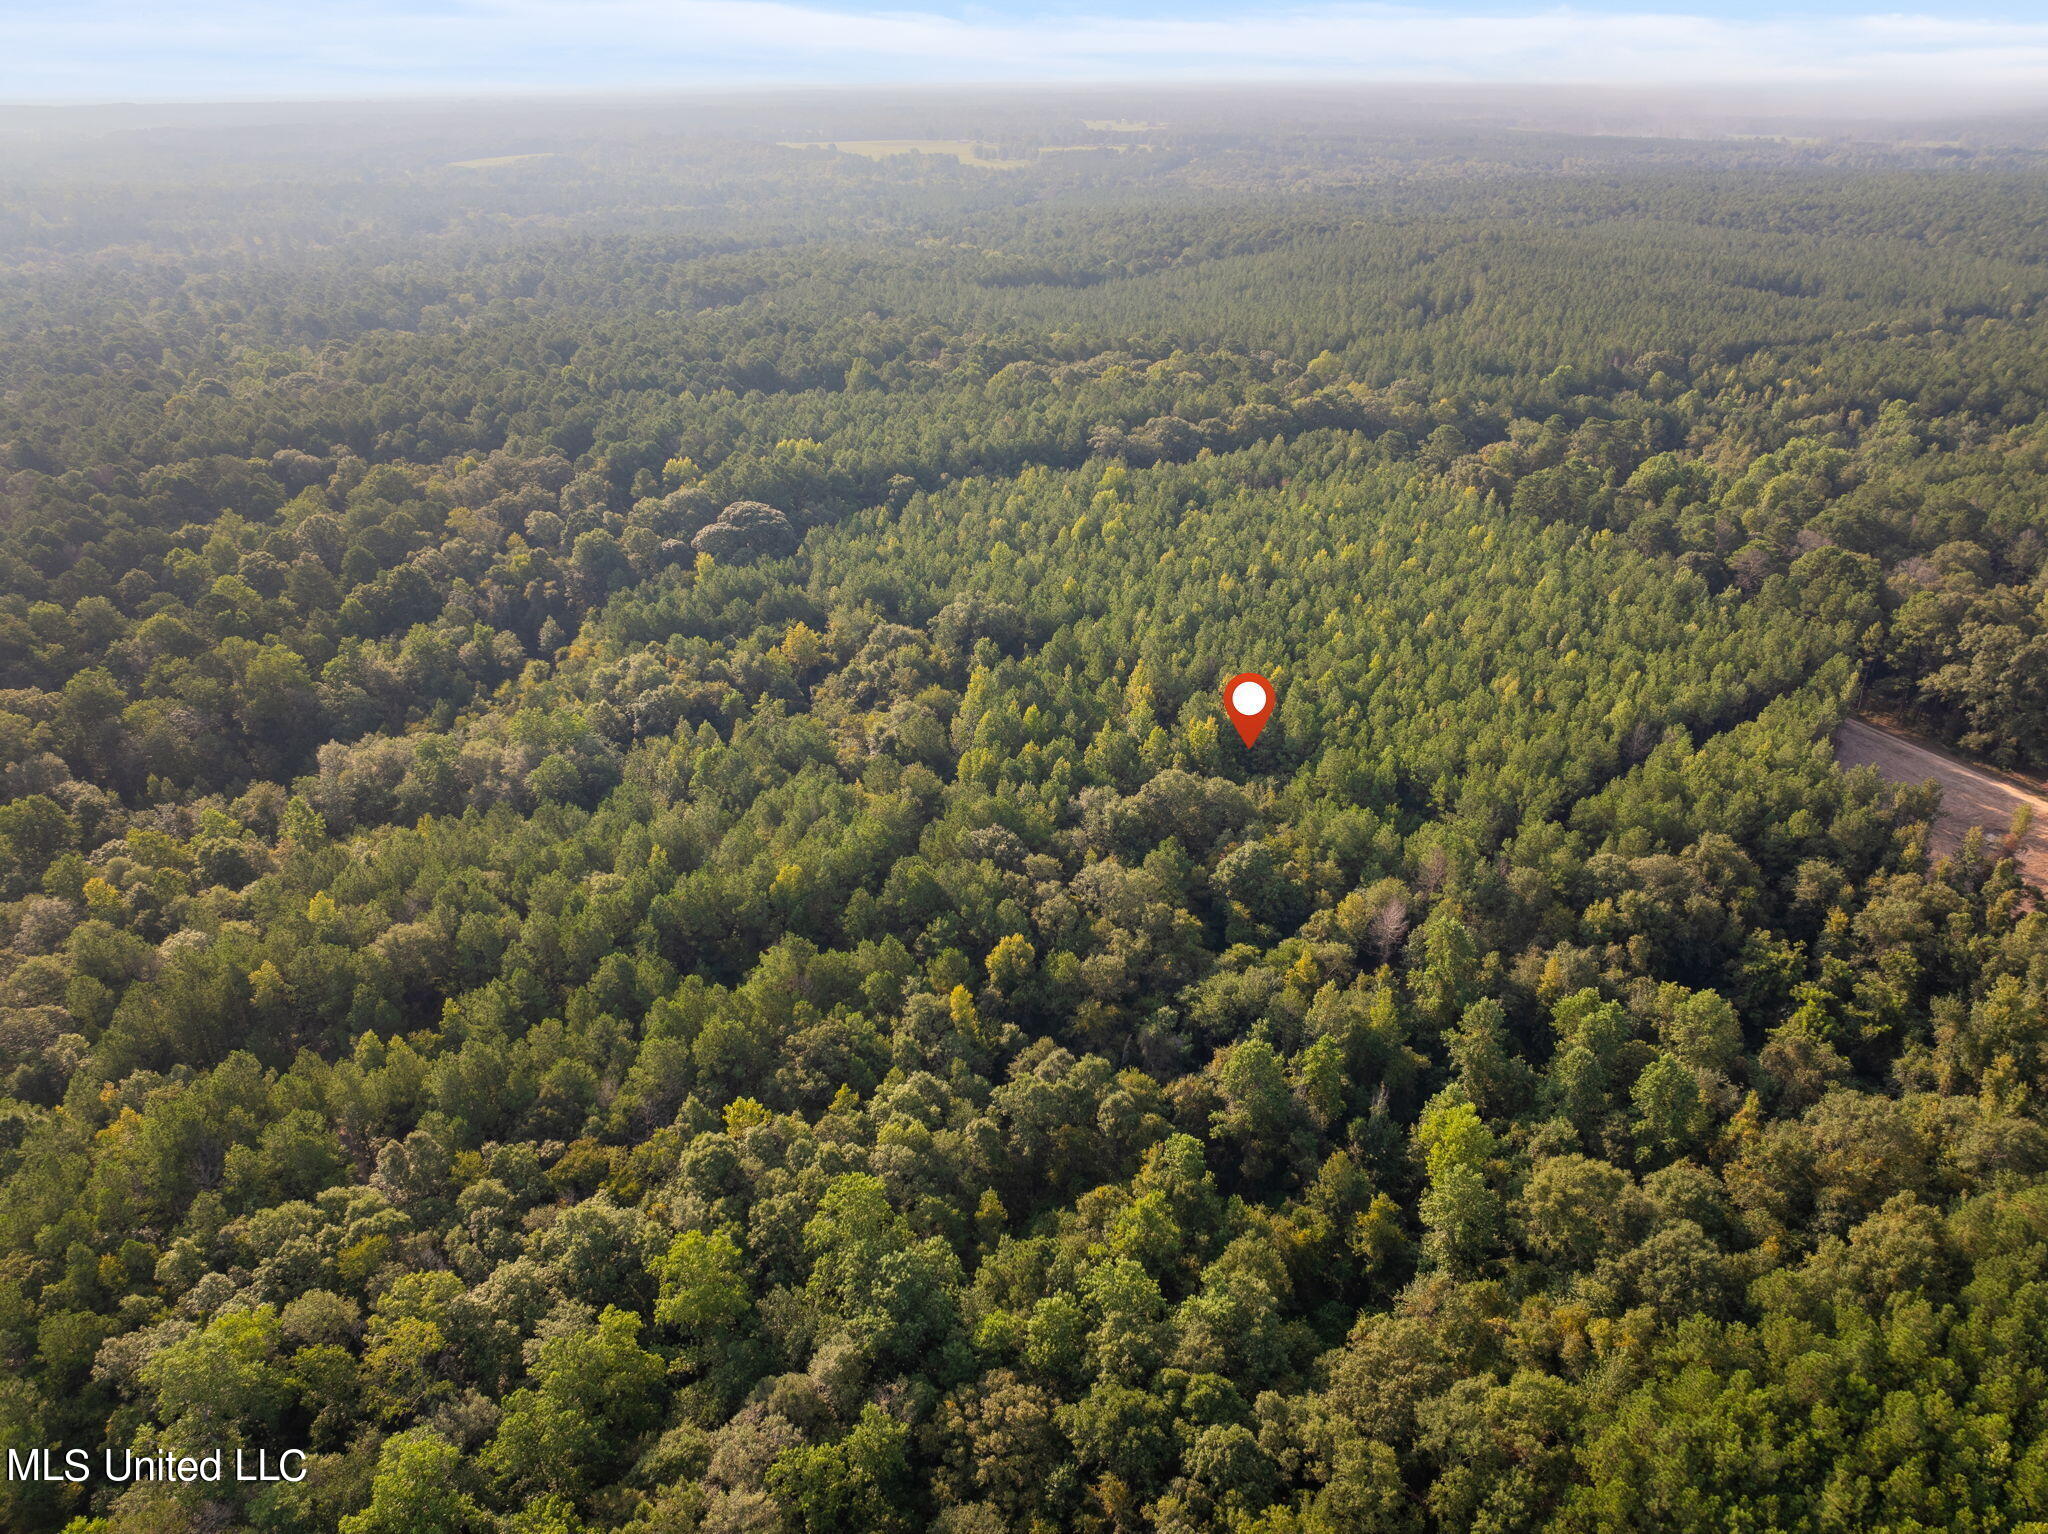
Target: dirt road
x,y
1970,795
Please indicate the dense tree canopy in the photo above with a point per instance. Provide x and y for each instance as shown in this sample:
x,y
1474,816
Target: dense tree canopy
x,y
628,907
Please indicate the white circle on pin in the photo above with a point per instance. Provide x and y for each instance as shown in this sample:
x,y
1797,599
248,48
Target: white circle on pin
x,y
1248,698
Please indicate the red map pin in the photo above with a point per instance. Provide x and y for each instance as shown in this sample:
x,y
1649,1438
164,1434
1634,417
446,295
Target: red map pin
x,y
1248,700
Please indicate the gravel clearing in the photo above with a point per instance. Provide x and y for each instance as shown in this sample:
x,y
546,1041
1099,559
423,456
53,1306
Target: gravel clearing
x,y
1970,795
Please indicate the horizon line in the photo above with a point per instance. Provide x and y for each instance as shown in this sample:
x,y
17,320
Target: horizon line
x,y
1791,97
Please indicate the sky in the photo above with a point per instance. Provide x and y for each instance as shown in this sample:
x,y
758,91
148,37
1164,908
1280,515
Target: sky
x,y
207,50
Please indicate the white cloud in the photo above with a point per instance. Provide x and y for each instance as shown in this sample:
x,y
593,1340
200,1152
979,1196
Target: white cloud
x,y
102,49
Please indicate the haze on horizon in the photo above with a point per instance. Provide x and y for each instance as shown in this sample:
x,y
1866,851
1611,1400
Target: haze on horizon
x,y
247,50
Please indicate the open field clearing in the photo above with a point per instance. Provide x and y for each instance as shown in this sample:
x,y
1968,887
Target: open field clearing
x,y
965,152
500,161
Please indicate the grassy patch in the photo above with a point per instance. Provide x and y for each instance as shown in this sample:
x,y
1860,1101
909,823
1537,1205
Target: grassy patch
x,y
963,150
493,162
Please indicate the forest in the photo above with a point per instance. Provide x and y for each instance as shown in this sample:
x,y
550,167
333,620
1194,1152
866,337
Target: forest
x,y
628,907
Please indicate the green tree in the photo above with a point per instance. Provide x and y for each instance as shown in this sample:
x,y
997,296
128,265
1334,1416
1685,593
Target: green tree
x,y
1461,1212
418,1490
859,1482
